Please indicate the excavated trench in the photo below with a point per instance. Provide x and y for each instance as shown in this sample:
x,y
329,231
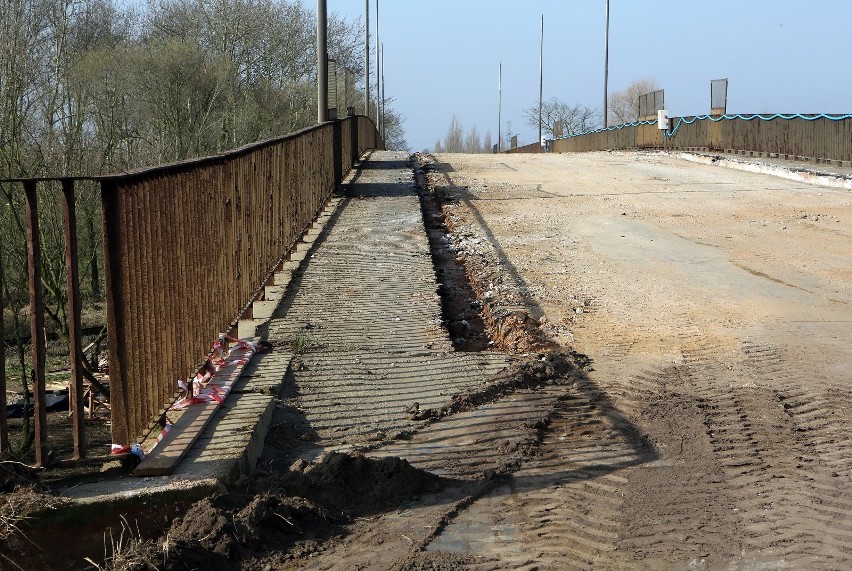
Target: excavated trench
x,y
473,319
461,308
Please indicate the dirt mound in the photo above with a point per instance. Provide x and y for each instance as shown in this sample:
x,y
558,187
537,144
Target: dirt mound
x,y
438,561
356,485
290,515
214,535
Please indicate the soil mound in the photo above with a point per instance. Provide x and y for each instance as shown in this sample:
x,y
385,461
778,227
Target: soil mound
x,y
212,535
356,485
437,561
290,515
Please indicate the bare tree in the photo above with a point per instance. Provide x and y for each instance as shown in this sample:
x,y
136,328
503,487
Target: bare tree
x,y
472,142
623,106
394,133
487,146
454,141
577,118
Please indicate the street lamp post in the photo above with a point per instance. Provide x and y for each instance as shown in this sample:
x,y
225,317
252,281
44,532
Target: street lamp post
x,y
322,62
382,95
500,109
606,66
540,78
378,75
367,58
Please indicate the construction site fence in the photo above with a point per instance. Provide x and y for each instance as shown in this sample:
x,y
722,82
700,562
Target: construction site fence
x,y
531,148
817,138
187,248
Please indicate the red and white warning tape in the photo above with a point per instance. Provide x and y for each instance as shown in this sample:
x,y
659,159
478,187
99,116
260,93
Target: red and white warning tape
x,y
209,385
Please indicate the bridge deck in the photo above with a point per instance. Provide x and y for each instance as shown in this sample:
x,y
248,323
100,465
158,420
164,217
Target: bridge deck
x,y
356,332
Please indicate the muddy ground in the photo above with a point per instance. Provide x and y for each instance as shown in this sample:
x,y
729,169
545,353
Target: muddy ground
x,y
681,400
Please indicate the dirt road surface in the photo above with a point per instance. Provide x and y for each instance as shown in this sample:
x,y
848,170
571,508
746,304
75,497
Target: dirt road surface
x,y
713,430
652,370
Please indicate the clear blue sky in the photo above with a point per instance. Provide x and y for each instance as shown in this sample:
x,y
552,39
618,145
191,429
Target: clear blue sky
x,y
442,56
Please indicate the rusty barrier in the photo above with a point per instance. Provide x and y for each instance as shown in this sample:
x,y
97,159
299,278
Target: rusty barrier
x,y
816,138
527,149
187,248
37,325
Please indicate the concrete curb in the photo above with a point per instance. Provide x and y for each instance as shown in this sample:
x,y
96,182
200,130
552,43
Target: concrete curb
x,y
791,173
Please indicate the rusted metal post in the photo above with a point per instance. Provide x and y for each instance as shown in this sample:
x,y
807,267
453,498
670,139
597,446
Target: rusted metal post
x,y
75,346
113,270
355,152
337,151
4,429
500,109
36,321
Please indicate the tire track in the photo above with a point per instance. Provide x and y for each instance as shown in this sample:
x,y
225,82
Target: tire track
x,y
746,454
790,509
563,508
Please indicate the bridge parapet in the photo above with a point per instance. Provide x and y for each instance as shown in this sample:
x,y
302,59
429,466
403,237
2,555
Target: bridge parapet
x,y
188,246
818,138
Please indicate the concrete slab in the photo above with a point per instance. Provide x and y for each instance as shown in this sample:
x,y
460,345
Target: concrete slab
x,y
819,174
265,373
356,328
263,309
275,292
230,446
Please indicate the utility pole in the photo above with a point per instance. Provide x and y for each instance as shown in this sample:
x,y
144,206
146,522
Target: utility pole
x,y
367,59
384,127
540,78
322,62
378,75
606,66
500,109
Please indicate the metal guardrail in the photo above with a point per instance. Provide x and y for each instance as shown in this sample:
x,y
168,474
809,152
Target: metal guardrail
x,y
188,247
816,138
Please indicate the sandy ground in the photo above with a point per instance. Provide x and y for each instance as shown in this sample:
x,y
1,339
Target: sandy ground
x,y
713,430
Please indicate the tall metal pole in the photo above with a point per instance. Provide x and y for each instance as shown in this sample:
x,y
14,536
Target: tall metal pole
x,y
384,126
540,78
378,75
367,59
606,67
322,62
379,115
500,108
